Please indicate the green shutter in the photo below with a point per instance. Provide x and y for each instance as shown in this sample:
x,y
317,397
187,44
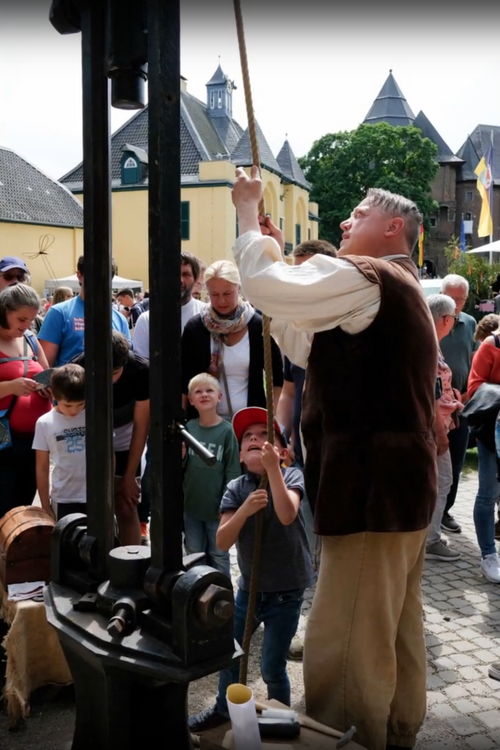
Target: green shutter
x,y
297,234
184,220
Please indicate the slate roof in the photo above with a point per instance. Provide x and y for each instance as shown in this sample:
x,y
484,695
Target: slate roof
x,y
217,78
27,194
290,167
242,154
390,105
474,149
444,155
203,138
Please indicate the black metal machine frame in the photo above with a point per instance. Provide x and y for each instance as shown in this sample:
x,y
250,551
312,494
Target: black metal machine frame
x,y
137,625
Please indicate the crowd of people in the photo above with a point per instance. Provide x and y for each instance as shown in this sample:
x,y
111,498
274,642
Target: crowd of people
x,y
371,384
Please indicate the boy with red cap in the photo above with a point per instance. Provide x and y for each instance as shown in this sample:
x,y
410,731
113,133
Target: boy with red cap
x,y
286,567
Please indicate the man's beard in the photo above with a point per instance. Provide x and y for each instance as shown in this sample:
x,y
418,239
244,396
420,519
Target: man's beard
x,y
186,294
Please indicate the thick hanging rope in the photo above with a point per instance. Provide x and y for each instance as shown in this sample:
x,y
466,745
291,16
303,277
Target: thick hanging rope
x,y
268,364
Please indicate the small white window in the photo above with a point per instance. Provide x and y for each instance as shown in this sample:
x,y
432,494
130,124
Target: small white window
x,y
212,100
130,163
219,99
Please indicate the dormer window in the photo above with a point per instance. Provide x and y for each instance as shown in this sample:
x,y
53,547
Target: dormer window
x,y
130,163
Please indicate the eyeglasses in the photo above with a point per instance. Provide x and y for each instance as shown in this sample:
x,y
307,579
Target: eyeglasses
x,y
11,276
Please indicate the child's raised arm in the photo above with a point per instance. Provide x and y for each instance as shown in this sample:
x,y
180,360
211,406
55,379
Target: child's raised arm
x,y
232,521
286,501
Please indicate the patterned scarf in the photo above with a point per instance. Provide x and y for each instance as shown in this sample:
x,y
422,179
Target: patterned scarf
x,y
220,326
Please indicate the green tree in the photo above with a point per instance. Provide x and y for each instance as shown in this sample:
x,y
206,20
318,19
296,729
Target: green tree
x,y
342,166
476,269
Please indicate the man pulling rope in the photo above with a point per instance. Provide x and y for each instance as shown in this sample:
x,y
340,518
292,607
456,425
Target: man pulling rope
x,y
370,467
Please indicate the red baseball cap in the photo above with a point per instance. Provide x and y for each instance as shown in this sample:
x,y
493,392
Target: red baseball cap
x,y
253,415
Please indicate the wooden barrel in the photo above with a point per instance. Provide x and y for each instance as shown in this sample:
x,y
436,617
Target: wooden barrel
x,y
25,534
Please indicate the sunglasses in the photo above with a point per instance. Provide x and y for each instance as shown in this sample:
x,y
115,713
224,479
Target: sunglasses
x,y
11,276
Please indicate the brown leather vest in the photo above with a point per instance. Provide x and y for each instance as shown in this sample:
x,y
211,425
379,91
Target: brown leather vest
x,y
368,413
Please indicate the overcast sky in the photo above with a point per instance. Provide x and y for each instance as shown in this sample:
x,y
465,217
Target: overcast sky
x,y
314,69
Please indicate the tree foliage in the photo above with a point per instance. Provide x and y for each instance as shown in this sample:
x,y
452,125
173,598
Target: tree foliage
x,y
476,269
342,166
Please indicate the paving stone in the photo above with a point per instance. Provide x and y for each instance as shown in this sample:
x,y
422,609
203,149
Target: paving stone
x,y
464,725
434,696
483,642
442,650
449,676
486,657
434,682
465,706
487,704
444,662
432,640
469,673
467,634
445,711
480,742
465,660
464,646
457,691
490,718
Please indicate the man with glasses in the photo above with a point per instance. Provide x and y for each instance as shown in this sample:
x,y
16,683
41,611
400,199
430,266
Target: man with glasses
x,y
12,271
458,347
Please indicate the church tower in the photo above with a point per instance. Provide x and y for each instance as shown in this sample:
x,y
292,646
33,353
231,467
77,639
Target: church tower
x,y
220,95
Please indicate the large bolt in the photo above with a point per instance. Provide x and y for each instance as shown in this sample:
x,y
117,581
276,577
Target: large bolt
x,y
117,624
213,607
223,609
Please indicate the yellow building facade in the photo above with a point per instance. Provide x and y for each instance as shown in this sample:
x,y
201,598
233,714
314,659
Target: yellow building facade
x,y
41,222
50,252
212,145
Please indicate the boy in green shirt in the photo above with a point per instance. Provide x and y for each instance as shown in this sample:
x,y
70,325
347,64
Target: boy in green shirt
x,y
205,485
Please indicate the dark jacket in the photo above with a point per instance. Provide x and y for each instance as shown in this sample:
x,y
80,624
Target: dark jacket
x,y
368,413
196,354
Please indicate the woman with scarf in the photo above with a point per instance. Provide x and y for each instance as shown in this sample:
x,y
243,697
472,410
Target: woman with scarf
x,y
225,340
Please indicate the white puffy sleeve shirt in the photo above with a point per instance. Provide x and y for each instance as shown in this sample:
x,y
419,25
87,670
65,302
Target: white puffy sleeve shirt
x,y
317,295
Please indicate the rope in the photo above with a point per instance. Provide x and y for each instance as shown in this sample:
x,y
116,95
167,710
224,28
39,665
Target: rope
x,y
268,364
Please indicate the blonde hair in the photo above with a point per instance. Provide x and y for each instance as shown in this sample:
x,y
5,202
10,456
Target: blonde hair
x,y
203,379
61,294
225,270
487,326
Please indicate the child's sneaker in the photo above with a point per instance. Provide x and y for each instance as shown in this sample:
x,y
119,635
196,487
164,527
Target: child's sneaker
x,y
209,718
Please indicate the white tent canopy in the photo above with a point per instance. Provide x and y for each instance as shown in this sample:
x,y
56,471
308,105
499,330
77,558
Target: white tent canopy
x,y
491,247
72,282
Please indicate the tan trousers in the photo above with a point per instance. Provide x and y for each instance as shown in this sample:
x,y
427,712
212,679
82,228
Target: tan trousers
x,y
364,649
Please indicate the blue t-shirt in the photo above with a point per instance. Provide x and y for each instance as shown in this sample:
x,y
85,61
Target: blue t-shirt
x,y
64,325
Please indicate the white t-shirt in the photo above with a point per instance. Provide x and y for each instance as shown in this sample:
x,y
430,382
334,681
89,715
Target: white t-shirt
x,y
141,331
190,309
64,438
237,366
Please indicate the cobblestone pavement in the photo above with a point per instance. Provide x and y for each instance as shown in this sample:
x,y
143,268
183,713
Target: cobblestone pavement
x,y
462,616
462,612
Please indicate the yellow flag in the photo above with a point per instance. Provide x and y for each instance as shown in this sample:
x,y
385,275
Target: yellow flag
x,y
421,247
484,185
